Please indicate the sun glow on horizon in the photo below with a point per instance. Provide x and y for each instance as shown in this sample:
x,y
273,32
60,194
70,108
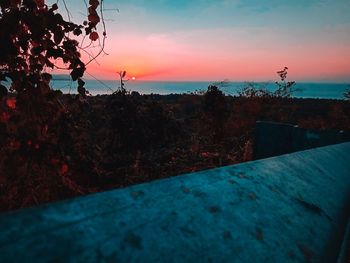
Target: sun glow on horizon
x,y
249,46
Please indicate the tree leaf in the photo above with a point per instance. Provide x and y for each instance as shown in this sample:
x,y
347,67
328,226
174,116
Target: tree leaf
x,y
59,34
81,82
94,36
77,73
94,18
81,90
94,3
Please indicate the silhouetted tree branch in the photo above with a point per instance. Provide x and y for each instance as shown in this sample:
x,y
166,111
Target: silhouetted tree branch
x,y
34,36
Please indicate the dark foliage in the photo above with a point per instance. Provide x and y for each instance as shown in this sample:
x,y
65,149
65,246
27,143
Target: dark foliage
x,y
216,109
33,35
112,141
35,163
252,91
285,89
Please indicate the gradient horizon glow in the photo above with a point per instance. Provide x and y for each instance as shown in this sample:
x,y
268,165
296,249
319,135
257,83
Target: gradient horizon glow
x,y
238,40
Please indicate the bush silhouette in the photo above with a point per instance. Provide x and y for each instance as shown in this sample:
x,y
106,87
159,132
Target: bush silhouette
x,y
33,36
216,109
284,88
34,121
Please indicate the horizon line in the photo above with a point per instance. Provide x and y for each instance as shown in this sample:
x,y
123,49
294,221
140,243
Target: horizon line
x,y
211,81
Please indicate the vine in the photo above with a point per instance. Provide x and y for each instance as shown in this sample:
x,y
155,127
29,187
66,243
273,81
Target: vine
x,y
34,35
34,120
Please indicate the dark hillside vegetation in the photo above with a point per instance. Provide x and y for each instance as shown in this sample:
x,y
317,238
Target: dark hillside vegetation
x,y
103,142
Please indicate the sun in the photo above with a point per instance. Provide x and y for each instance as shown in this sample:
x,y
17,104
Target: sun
x,y
133,78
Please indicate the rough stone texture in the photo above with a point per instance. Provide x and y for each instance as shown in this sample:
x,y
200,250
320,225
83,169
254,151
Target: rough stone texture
x,y
291,208
272,139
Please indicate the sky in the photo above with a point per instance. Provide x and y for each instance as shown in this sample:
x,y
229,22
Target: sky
x,y
235,40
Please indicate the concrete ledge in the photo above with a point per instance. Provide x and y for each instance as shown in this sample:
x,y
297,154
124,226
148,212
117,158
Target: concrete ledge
x,y
291,208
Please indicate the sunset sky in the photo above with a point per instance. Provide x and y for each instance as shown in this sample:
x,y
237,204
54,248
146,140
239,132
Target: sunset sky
x,y
238,40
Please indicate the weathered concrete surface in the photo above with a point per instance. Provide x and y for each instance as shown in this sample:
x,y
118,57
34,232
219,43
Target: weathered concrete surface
x,y
272,139
291,208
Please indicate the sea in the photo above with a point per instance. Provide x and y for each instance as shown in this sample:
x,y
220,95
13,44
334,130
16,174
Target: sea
x,y
99,87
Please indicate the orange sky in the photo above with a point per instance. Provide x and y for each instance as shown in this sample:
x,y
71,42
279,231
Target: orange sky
x,y
229,40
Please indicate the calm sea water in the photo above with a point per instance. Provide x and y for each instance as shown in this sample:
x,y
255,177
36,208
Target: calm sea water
x,y
305,90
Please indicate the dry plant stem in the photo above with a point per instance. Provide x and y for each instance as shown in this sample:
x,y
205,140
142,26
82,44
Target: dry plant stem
x,y
104,36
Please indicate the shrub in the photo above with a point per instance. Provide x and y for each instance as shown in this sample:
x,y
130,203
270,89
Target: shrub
x,y
215,109
252,91
33,118
284,88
